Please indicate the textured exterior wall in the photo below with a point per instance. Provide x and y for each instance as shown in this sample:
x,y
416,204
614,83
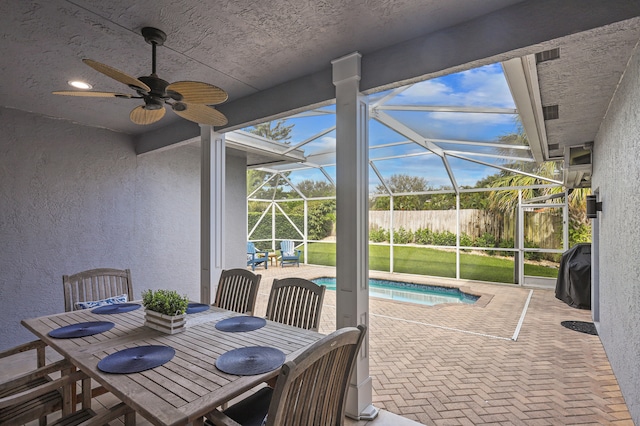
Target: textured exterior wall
x,y
616,174
235,255
75,198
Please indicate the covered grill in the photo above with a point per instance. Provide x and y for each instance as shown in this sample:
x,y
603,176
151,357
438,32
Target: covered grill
x,y
574,277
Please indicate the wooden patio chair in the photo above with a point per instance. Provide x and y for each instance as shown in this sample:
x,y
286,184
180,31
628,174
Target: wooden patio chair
x,y
296,302
310,390
48,403
288,254
35,394
238,290
95,285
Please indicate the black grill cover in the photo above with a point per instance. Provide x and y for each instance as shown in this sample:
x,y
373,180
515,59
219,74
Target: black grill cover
x,y
574,277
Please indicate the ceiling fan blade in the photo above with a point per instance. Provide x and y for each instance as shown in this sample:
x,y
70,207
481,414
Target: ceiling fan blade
x,y
143,116
201,114
116,75
196,92
91,94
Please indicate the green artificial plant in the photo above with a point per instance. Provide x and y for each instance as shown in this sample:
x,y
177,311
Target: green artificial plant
x,y
167,302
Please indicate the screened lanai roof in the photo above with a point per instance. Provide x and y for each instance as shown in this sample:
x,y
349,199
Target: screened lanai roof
x,y
452,132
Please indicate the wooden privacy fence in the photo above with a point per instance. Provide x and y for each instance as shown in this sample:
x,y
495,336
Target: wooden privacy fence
x,y
543,228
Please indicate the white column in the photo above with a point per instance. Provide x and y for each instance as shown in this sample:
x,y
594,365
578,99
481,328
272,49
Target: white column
x,y
212,188
352,245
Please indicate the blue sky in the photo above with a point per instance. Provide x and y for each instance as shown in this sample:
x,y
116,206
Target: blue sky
x,y
481,87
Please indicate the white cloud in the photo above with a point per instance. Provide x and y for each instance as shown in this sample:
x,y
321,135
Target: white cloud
x,y
460,118
485,86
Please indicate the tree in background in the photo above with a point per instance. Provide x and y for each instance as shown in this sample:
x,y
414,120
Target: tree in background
x,y
316,188
506,201
321,213
279,133
401,183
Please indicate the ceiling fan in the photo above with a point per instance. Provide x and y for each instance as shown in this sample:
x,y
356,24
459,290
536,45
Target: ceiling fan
x,y
189,99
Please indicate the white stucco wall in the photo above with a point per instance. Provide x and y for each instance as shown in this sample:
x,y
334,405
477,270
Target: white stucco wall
x,y
75,198
235,255
616,175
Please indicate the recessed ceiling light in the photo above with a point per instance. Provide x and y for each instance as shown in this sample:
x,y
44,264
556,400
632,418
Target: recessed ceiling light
x,y
80,84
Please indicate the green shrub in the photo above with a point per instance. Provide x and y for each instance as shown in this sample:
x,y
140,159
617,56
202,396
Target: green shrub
x,y
579,233
508,243
402,236
322,215
532,255
378,235
444,238
285,231
466,240
423,236
486,240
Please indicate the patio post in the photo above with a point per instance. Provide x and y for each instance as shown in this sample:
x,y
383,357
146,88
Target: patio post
x,y
352,221
212,194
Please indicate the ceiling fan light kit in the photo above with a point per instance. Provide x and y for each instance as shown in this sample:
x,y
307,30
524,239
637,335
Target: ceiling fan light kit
x,y
190,100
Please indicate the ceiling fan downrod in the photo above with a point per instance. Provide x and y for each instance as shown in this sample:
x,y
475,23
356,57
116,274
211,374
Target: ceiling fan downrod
x,y
154,37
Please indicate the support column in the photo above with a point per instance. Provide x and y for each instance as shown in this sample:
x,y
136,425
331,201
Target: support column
x,y
352,217
212,193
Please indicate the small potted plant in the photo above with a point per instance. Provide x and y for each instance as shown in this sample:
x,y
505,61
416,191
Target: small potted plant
x,y
165,310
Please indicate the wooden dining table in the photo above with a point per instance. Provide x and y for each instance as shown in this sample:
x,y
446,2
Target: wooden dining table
x,y
187,387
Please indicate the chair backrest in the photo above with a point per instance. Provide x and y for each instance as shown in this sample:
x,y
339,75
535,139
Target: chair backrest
x,y
237,290
95,284
312,389
251,248
296,302
287,247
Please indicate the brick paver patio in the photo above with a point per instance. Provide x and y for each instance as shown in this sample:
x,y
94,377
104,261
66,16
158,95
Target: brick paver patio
x,y
458,364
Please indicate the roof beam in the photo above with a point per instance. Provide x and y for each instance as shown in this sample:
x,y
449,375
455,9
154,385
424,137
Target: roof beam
x,y
434,108
522,79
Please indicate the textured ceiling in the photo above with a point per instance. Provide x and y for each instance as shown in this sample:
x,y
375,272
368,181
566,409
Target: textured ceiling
x,y
242,46
259,50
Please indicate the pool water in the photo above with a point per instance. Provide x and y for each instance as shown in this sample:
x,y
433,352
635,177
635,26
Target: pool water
x,y
409,292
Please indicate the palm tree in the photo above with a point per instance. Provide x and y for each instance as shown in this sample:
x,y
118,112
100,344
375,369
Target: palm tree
x,y
507,200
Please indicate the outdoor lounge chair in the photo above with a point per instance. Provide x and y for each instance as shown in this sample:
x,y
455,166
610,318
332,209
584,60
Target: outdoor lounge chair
x,y
310,390
255,256
288,253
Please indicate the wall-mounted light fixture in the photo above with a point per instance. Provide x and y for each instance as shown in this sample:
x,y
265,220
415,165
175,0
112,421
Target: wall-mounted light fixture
x,y
593,207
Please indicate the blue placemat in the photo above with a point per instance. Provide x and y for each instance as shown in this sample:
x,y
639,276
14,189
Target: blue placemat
x,y
192,308
117,308
239,324
81,329
134,360
250,360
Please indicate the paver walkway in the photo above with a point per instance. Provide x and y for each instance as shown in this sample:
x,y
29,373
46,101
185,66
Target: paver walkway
x,y
458,364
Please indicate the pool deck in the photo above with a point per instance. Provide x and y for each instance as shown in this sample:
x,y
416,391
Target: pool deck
x,y
457,364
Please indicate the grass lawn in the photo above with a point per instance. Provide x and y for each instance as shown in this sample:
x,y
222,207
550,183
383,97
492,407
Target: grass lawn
x,y
428,261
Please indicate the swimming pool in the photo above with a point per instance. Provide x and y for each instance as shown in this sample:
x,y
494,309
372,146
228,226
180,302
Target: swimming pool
x,y
409,292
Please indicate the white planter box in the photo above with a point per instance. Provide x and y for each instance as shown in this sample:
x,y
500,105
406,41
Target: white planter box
x,y
165,323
